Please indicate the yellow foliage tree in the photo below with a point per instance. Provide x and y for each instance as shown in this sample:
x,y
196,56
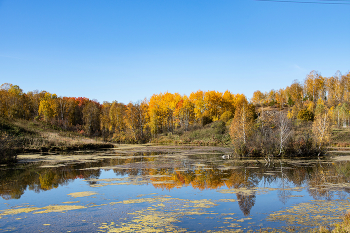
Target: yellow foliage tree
x,y
197,98
258,97
241,128
321,126
48,106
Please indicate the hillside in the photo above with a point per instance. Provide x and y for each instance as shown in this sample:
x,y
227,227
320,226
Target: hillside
x,y
34,136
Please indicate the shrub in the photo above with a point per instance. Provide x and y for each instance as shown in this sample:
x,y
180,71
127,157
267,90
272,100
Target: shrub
x,y
220,127
306,115
226,116
206,120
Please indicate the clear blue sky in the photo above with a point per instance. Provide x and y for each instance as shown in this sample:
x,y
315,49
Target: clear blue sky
x,y
127,50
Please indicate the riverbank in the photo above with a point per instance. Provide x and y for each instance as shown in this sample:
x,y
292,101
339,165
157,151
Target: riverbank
x,y
18,136
27,136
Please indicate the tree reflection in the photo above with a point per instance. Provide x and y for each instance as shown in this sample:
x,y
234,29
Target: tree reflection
x,y
246,203
323,180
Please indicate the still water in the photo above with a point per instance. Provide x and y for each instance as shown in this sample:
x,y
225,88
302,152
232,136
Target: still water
x,y
170,189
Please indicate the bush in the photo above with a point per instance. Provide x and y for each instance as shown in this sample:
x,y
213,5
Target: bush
x,y
226,116
306,115
206,120
220,127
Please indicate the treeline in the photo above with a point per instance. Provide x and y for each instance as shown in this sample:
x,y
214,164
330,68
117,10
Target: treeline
x,y
320,101
119,122
301,99
296,120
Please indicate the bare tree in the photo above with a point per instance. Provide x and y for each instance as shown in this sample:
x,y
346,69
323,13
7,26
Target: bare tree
x,y
284,129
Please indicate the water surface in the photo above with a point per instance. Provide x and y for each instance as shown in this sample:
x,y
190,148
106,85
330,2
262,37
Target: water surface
x,y
170,189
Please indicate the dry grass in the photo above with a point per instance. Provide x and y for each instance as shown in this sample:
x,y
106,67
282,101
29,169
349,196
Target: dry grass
x,y
21,135
340,137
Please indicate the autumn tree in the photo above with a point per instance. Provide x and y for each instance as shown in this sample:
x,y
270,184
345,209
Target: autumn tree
x,y
241,128
281,97
34,98
335,89
136,119
314,86
199,106
184,112
228,102
258,98
294,93
345,114
271,97
117,122
91,115
13,101
213,101
322,124
104,119
48,107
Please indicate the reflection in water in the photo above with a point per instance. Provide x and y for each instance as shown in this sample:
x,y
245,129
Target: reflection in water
x,y
238,181
15,180
165,171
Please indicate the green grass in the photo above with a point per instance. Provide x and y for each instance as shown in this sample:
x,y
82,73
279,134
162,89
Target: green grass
x,y
12,129
213,134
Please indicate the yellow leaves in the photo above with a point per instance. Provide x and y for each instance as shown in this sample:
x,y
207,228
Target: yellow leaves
x,y
241,127
48,108
311,106
197,98
258,97
322,125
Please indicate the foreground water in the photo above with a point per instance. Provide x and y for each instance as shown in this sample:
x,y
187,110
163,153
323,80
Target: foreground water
x,y
170,189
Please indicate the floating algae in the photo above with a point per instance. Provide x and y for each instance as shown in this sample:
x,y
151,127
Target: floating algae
x,y
257,190
155,219
82,194
314,213
70,202
142,195
37,210
161,216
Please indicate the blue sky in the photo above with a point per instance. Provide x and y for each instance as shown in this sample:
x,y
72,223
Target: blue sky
x,y
127,50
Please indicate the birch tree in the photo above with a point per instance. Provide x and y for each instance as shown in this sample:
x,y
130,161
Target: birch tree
x,y
241,128
284,128
322,125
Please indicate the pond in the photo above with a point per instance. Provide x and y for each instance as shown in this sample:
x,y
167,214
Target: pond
x,y
170,189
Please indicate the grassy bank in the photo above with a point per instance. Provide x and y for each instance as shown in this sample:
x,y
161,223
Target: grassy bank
x,y
213,134
28,136
35,136
217,134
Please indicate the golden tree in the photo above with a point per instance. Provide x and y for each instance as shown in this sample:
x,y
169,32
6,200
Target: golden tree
x,y
258,97
197,98
213,101
321,127
315,86
48,106
241,128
